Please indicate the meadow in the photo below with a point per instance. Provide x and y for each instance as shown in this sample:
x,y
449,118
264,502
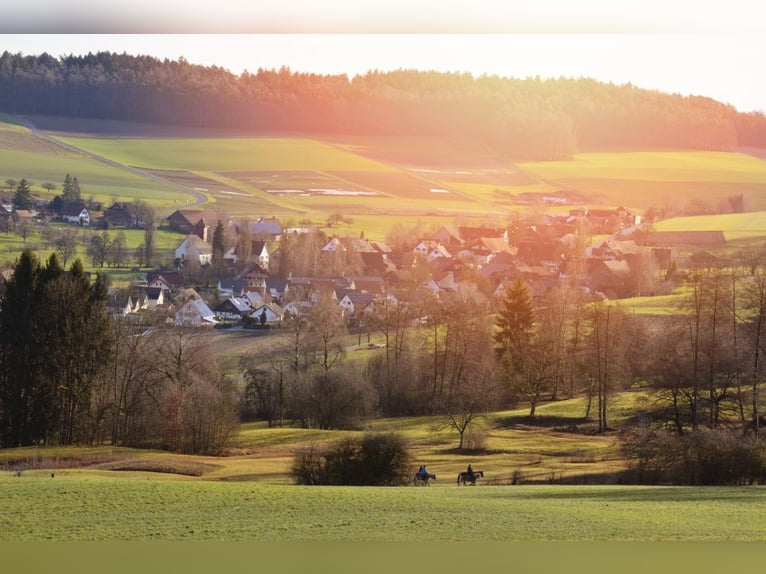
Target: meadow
x,y
91,507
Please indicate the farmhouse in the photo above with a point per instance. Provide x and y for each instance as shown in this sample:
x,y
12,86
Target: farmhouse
x,y
196,221
195,313
354,303
194,249
76,213
267,314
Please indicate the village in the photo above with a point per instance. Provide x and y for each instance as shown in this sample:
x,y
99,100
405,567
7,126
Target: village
x,y
628,259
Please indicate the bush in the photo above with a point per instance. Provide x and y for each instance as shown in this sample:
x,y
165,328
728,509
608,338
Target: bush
x,y
702,457
375,459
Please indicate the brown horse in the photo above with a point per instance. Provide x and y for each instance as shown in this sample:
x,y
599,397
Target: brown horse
x,y
423,480
466,478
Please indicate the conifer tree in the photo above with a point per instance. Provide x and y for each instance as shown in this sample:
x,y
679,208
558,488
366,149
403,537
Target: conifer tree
x,y
22,199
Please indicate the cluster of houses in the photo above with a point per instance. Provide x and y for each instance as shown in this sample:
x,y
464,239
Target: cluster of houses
x,y
543,251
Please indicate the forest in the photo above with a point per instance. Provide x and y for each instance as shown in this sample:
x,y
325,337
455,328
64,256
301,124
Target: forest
x,y
530,118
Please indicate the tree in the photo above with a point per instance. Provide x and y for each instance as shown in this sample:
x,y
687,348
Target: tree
x,y
150,231
244,246
48,186
197,403
116,254
514,343
609,341
65,245
26,403
78,345
99,248
22,199
54,340
70,190
219,244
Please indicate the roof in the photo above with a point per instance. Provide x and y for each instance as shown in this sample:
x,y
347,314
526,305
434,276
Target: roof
x,y
266,227
195,308
359,299
699,238
173,278
72,209
239,305
202,247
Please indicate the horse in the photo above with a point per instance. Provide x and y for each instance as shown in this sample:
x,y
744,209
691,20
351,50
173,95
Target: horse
x,y
465,478
423,480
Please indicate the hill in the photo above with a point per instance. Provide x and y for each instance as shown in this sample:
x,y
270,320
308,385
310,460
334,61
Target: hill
x,y
520,119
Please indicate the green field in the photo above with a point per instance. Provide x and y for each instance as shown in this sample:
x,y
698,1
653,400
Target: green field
x,y
23,155
77,507
643,179
735,226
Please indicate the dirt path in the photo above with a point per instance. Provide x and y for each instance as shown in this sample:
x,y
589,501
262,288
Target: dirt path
x,y
199,198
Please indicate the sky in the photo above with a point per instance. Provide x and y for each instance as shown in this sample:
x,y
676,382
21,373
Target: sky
x,y
701,47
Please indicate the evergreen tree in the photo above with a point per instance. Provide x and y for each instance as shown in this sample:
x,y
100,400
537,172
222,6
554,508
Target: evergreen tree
x,y
515,321
22,199
76,193
219,243
54,340
67,190
20,395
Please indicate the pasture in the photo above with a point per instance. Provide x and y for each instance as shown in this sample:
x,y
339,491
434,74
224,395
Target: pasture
x,y
79,506
24,155
736,227
657,178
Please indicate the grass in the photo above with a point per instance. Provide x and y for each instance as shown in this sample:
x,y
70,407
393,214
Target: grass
x,y
77,507
227,154
735,226
11,246
641,179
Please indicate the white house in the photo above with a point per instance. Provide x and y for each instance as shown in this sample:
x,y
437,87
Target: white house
x,y
195,313
193,248
356,303
267,314
76,213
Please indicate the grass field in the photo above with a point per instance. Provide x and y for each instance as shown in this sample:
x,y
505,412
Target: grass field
x,y
23,155
641,179
77,507
735,226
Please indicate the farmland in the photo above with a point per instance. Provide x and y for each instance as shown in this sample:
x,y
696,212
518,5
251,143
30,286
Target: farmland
x,y
374,181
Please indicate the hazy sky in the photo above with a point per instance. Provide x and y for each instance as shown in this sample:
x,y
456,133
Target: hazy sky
x,y
700,47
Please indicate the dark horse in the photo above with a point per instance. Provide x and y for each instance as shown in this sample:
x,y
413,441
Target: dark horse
x,y
423,479
466,478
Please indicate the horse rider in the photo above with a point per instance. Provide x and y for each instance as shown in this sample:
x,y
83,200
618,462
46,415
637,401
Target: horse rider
x,y
469,471
422,471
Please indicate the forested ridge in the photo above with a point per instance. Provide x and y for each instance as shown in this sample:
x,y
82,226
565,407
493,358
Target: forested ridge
x,y
529,118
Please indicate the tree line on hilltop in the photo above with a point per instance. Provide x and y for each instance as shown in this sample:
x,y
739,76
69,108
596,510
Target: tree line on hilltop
x,y
529,118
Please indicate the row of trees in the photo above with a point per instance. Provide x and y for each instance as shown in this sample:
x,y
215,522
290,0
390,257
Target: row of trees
x,y
529,118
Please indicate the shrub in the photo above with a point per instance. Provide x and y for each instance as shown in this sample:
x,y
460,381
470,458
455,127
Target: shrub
x,y
379,459
701,457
